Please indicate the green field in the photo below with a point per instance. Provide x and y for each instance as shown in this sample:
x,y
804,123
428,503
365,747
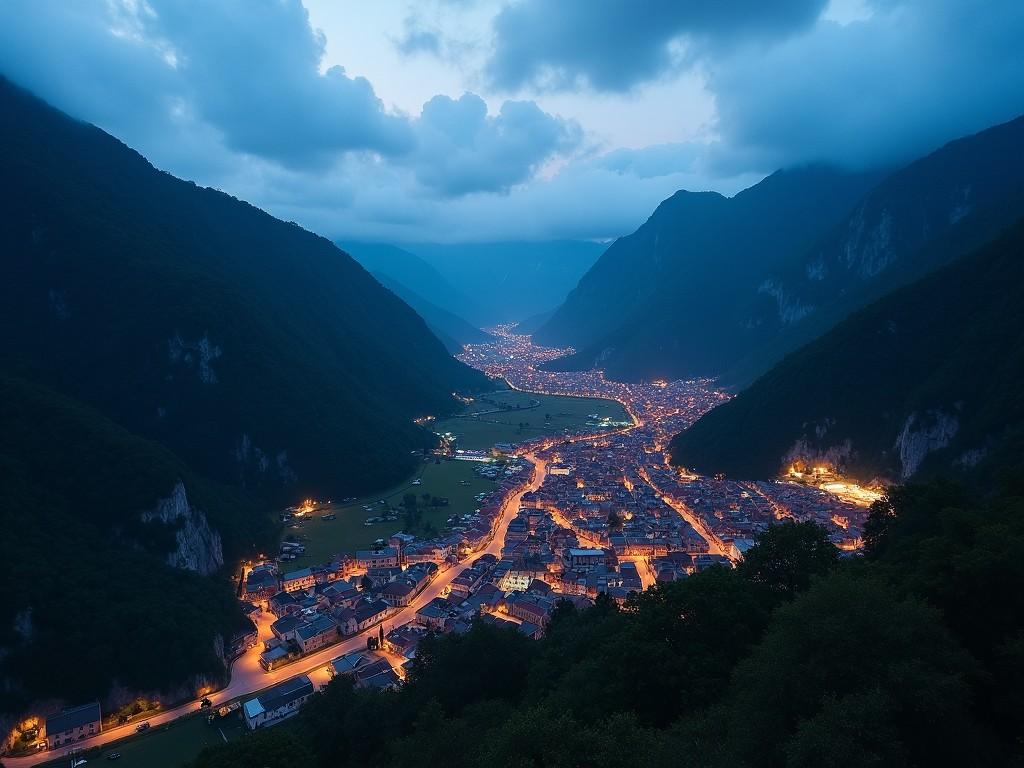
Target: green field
x,y
324,539
169,746
482,424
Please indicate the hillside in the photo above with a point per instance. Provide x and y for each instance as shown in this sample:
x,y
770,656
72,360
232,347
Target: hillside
x,y
683,285
924,381
95,518
259,353
509,281
418,276
724,287
452,330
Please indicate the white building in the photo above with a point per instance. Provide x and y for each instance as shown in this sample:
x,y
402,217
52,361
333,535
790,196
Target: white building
x,y
278,702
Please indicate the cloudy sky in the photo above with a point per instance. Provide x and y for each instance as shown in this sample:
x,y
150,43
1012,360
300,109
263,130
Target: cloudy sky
x,y
529,119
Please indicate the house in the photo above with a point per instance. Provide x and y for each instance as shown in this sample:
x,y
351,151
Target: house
x,y
377,674
371,559
284,629
316,634
361,616
73,724
347,664
299,580
370,613
528,607
261,584
277,702
283,603
274,657
398,593
404,640
585,559
436,614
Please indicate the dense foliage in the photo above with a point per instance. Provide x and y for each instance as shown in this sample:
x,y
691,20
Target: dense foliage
x,y
912,656
155,332
949,347
726,287
258,352
89,602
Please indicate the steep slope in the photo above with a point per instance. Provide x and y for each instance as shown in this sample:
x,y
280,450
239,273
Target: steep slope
x,y
107,540
510,281
919,218
417,275
675,298
257,352
452,330
728,287
925,380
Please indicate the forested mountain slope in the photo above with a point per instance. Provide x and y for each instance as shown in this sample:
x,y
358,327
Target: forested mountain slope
x,y
924,381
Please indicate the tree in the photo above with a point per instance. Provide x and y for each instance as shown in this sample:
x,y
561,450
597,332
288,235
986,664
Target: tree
x,y
614,521
366,583
850,662
787,556
876,528
380,636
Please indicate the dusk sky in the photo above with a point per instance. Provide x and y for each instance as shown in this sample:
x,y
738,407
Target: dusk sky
x,y
465,120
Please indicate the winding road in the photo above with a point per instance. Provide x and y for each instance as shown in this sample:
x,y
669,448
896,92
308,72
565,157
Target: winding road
x,y
248,677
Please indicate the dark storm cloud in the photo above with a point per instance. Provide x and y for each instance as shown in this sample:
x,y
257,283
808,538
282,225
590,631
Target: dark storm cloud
x,y
462,149
613,45
882,91
245,76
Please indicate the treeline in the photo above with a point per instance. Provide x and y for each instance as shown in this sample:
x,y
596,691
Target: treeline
x,y
910,655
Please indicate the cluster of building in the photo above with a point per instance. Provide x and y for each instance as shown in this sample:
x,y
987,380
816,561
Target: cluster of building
x,y
732,513
314,609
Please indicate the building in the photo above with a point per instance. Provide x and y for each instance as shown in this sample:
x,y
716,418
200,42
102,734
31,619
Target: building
x,y
73,724
398,593
261,583
348,664
585,559
278,702
298,580
371,559
316,634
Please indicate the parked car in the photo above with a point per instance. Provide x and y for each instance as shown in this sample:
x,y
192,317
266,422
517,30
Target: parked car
x,y
142,727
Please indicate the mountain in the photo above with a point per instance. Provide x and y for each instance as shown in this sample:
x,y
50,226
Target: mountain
x,y
257,352
682,286
108,535
509,281
452,330
924,381
533,322
409,270
173,363
712,286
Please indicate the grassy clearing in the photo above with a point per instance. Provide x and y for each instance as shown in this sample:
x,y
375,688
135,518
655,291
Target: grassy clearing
x,y
486,422
324,539
168,746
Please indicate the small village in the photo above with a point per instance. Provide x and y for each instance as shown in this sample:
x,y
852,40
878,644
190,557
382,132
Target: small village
x,y
573,517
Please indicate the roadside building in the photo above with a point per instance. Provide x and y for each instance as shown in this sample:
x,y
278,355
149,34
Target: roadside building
x,y
372,559
299,580
317,633
73,724
278,702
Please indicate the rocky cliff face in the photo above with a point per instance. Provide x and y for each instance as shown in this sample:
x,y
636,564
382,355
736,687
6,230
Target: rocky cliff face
x,y
198,545
922,435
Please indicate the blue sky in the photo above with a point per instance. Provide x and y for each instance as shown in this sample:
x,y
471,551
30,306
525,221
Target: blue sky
x,y
533,119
